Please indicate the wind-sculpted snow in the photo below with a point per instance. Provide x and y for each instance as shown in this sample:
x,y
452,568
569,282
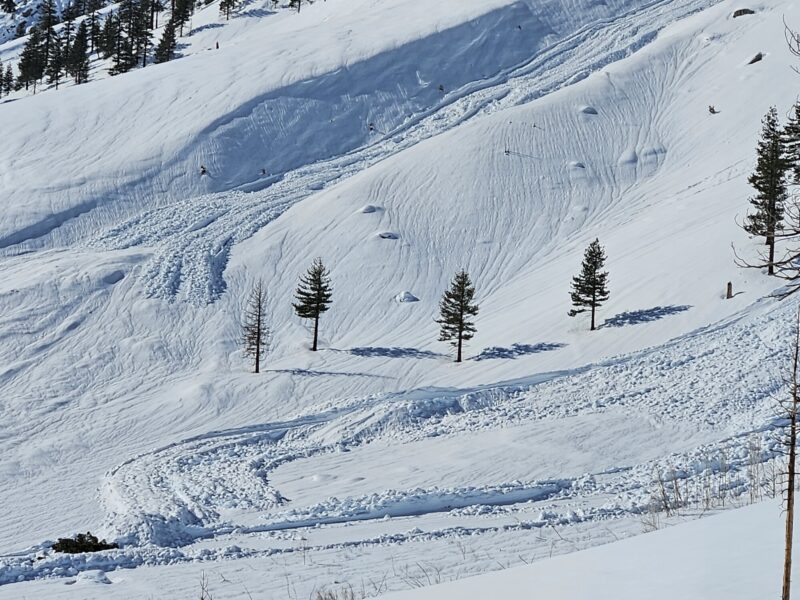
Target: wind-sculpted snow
x,y
193,237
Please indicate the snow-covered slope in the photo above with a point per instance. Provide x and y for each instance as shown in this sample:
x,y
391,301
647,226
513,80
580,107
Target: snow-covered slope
x,y
263,101
728,557
121,288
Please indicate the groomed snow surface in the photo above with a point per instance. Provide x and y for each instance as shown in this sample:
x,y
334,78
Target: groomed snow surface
x,y
506,136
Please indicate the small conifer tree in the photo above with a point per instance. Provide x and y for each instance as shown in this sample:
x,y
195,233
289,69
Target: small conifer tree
x,y
455,311
590,287
769,182
165,51
313,296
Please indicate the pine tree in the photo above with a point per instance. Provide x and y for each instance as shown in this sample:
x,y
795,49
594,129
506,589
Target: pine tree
x,y
109,35
225,8
293,3
9,6
791,144
66,34
313,295
56,63
47,21
182,13
31,61
156,8
165,51
254,327
94,33
769,181
589,288
8,80
77,62
455,310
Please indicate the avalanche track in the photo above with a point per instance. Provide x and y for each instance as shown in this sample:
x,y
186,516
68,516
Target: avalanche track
x,y
193,238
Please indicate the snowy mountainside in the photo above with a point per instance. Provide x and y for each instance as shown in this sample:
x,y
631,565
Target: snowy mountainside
x,y
121,296
263,102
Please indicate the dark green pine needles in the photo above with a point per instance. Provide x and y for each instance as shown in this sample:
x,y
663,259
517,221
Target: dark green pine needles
x,y
590,287
455,310
769,182
313,295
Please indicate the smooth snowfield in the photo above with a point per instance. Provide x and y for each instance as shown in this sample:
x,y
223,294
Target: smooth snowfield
x,y
129,410
730,556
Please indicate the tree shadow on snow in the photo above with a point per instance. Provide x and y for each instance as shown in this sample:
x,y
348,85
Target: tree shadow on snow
x,y
634,317
373,351
309,373
206,27
516,350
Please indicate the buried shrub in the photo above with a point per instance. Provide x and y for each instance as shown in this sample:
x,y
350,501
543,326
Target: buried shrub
x,y
82,542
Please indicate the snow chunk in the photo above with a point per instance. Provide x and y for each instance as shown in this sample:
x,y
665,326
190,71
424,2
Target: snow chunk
x,y
588,110
96,576
388,235
628,158
368,208
574,164
406,297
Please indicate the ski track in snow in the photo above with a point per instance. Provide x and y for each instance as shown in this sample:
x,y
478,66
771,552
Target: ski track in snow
x,y
168,498
193,237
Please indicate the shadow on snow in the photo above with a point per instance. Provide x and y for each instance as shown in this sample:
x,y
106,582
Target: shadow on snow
x,y
516,350
634,317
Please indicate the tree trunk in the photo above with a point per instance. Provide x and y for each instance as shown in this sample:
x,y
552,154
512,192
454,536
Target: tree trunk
x,y
729,292
787,557
258,345
458,354
316,331
771,266
592,329
793,408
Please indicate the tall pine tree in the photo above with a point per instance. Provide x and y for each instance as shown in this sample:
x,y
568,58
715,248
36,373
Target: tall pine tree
x,y
590,287
9,6
165,51
77,61
225,8
56,63
313,296
769,182
791,143
456,309
32,63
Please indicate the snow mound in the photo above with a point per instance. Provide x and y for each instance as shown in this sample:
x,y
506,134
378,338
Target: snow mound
x,y
95,576
406,297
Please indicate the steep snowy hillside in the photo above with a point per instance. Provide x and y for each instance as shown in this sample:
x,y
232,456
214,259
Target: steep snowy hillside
x,y
265,102
129,409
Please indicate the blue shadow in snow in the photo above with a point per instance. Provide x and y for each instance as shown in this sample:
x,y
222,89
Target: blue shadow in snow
x,y
516,351
393,352
634,317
